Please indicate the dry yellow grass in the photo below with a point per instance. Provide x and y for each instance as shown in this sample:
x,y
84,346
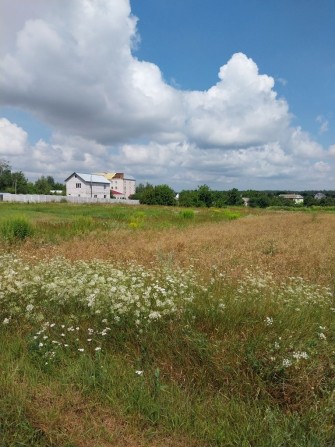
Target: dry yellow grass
x,y
70,417
284,243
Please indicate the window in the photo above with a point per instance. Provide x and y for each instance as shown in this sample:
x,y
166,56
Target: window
x,y
104,196
78,185
95,196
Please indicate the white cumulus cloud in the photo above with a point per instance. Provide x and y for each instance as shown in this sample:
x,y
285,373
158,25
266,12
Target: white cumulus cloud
x,y
13,139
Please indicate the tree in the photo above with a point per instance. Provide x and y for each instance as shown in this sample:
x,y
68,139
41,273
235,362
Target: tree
x,y
42,186
189,198
51,181
19,183
147,195
164,195
140,188
155,195
234,197
205,195
5,175
13,182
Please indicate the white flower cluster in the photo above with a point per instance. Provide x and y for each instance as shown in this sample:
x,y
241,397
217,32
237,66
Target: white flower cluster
x,y
292,291
94,287
307,293
296,356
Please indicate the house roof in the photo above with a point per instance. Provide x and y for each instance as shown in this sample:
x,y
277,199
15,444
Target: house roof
x,y
291,196
128,177
116,193
90,178
319,195
107,175
112,175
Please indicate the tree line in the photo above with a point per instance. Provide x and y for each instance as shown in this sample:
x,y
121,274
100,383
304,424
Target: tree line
x,y
204,196
15,182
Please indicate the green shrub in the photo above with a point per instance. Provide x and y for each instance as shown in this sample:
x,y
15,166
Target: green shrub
x,y
187,214
16,229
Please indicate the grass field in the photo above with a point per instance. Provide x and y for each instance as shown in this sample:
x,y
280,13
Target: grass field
x,y
152,326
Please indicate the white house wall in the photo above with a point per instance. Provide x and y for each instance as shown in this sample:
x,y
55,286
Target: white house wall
x,y
123,186
130,187
94,190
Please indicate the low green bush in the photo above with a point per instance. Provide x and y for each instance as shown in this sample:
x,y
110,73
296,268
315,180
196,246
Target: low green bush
x,y
16,229
187,214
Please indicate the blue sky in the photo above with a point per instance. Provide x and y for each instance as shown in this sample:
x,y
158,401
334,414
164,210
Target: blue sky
x,y
291,40
231,93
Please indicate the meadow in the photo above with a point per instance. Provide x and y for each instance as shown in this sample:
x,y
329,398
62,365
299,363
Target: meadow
x,y
163,326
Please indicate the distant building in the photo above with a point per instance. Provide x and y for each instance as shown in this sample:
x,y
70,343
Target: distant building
x,y
122,185
296,198
319,196
87,185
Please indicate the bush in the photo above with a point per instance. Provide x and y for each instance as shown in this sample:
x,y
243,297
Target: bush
x,y
187,214
16,229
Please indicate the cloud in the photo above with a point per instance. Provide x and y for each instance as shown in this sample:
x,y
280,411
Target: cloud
x,y
13,139
79,75
282,81
72,65
241,110
302,145
323,124
322,167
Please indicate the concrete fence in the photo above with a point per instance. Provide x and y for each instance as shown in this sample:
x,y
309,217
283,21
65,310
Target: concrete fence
x,y
39,198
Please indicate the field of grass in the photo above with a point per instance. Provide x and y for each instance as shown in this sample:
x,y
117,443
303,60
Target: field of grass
x,y
152,326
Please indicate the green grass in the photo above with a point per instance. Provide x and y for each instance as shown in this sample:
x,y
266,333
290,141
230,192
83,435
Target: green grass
x,y
213,362
55,222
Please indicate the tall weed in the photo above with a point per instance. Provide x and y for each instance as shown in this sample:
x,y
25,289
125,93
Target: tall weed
x,y
16,229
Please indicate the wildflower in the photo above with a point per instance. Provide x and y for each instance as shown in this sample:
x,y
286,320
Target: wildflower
x,y
268,321
29,307
139,373
98,348
300,355
6,321
81,349
287,363
322,336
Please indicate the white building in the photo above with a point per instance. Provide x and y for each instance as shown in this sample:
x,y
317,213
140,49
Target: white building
x,y
296,198
88,185
122,185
